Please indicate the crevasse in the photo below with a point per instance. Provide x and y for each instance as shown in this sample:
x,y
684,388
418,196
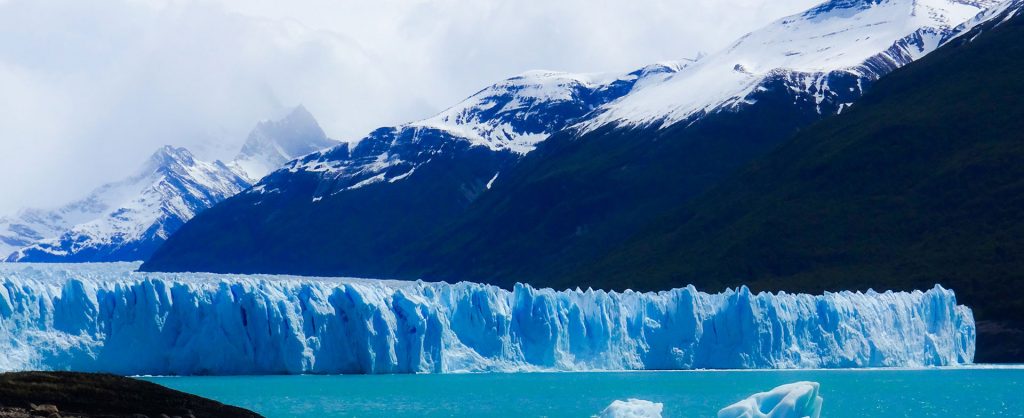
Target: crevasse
x,y
107,317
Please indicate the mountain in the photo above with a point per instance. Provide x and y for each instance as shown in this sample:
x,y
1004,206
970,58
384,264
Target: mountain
x,y
475,194
273,143
587,189
519,113
31,225
139,213
920,182
127,220
349,207
829,55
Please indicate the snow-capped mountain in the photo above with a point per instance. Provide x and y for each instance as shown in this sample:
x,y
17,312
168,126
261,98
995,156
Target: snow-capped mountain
x,y
829,53
403,180
522,111
508,118
31,225
139,213
275,142
126,220
540,171
996,13
674,138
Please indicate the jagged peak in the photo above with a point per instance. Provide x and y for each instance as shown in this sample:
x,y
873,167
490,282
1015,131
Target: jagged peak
x,y
298,115
832,5
511,115
166,156
294,134
274,142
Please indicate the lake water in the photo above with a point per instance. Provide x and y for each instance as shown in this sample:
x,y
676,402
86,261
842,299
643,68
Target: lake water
x,y
962,392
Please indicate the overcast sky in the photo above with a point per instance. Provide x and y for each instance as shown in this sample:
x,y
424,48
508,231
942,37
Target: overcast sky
x,y
91,88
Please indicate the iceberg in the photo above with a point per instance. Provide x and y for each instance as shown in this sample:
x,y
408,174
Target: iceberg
x,y
111,318
794,400
632,408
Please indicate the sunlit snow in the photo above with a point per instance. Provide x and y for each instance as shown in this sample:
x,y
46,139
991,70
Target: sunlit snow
x,y
106,317
793,400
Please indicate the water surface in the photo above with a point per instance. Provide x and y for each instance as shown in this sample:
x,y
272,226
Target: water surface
x,y
963,392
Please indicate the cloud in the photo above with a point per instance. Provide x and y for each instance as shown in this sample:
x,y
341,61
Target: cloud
x,y
91,88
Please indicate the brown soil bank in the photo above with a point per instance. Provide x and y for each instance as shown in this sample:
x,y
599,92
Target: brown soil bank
x,y
70,394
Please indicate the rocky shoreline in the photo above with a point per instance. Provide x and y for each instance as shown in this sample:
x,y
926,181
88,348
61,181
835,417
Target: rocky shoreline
x,y
94,395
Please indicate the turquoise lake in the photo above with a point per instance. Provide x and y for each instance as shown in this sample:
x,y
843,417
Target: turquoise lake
x,y
960,392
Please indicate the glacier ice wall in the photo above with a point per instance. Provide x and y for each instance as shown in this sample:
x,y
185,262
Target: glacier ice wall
x,y
106,317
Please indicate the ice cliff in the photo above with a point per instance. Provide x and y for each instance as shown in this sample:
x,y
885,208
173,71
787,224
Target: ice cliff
x,y
107,317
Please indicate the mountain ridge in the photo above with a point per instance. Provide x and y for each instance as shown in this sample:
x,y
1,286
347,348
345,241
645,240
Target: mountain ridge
x,y
398,183
127,220
918,183
502,216
569,205
274,142
172,186
850,42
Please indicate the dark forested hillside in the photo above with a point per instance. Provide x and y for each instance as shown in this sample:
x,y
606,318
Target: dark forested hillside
x,y
566,204
921,182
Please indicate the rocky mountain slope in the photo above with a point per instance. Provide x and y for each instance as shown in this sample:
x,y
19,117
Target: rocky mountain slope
x,y
349,207
693,175
566,206
141,211
542,173
128,219
272,143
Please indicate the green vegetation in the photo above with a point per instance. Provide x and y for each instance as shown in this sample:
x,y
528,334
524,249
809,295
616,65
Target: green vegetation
x,y
921,182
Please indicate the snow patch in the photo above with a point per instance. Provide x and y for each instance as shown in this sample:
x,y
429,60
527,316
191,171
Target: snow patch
x,y
171,188
837,36
491,181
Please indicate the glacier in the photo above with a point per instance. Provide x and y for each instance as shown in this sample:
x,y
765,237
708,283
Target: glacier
x,y
109,317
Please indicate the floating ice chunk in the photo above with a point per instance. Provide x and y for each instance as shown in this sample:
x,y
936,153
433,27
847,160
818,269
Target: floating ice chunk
x,y
793,400
632,408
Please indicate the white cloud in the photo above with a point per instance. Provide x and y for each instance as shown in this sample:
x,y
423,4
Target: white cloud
x,y
91,88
